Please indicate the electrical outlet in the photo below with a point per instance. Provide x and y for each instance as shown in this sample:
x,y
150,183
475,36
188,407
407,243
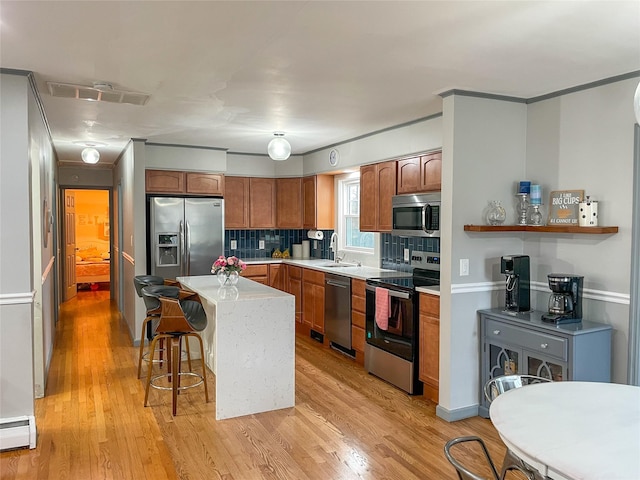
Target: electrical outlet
x,y
464,267
234,244
406,255
260,244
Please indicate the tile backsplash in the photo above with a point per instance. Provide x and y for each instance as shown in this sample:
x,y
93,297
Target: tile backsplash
x,y
249,242
392,247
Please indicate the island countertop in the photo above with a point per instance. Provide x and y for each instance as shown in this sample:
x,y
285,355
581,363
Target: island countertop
x,y
249,344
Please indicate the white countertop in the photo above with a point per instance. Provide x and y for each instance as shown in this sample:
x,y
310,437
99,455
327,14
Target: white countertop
x,y
573,430
361,273
207,286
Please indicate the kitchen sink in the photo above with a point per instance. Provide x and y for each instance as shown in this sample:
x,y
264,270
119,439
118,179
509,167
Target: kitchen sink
x,y
338,265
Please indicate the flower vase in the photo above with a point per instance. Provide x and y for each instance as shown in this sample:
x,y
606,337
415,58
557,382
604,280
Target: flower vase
x,y
227,277
496,215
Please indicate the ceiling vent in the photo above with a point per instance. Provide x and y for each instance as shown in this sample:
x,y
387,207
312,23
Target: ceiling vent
x,y
99,92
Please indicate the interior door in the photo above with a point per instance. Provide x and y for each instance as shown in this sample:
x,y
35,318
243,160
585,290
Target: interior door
x,y
70,286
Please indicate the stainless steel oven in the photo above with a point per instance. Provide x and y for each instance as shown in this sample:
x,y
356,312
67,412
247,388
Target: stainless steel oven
x,y
392,346
416,215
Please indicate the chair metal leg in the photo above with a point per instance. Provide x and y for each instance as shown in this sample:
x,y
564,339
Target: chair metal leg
x,y
512,462
175,357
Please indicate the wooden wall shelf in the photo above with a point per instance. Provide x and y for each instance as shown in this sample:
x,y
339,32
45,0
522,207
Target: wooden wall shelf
x,y
542,228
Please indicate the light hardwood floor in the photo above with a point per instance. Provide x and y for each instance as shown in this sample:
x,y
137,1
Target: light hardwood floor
x,y
346,424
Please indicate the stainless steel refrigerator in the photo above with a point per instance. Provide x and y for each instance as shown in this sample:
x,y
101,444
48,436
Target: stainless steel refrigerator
x,y
186,235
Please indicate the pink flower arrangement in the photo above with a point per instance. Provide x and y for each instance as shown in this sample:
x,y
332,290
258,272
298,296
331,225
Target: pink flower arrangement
x,y
229,264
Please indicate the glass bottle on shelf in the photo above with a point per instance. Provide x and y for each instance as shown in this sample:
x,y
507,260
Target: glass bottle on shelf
x,y
535,218
496,215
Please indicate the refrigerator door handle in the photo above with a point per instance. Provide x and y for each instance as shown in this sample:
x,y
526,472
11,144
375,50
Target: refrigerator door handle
x,y
182,253
188,262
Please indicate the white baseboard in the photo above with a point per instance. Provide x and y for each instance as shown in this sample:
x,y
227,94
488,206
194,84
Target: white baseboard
x,y
17,432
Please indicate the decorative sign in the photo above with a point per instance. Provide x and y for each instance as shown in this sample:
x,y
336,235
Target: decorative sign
x,y
563,207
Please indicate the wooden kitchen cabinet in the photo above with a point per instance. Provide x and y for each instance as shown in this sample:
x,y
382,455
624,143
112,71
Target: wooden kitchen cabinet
x,y
294,283
319,203
164,181
313,299
420,174
377,187
257,272
194,183
289,203
431,172
262,203
204,183
236,203
429,312
278,276
358,315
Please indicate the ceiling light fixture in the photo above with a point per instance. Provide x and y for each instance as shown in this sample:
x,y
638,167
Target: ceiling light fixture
x,y
90,155
278,148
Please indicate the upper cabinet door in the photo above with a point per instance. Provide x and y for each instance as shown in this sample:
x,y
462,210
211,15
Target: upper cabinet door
x,y
236,203
164,181
431,172
319,201
409,175
205,183
368,196
289,203
386,179
262,203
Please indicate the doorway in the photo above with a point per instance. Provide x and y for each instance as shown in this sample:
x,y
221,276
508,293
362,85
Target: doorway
x,y
87,241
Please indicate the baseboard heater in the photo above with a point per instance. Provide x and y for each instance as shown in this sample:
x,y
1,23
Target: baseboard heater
x,y
18,432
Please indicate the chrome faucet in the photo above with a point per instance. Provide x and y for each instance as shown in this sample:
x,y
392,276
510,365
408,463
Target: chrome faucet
x,y
333,245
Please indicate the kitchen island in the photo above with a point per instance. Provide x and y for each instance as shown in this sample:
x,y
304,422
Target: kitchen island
x,y
249,344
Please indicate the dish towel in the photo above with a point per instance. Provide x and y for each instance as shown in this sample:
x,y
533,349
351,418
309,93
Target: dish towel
x,y
383,308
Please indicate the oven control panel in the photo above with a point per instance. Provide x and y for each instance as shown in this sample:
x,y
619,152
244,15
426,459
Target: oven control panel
x,y
426,260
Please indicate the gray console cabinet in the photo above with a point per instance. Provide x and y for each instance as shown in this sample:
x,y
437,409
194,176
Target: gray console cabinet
x,y
524,344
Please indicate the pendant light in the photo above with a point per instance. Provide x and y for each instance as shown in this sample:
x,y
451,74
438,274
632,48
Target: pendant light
x,y
278,148
90,155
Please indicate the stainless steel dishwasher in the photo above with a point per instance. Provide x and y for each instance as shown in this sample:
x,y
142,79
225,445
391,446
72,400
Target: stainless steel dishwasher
x,y
337,312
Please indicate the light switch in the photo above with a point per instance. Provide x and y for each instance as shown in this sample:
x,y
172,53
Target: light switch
x,y
260,244
464,267
234,244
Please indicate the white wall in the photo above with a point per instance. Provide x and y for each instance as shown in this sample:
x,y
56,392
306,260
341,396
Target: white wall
x,y
16,286
167,157
394,143
584,140
484,151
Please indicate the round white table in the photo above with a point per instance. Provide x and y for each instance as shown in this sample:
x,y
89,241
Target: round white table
x,y
573,430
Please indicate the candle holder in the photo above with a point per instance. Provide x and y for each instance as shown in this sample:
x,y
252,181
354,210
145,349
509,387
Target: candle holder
x,y
522,208
535,218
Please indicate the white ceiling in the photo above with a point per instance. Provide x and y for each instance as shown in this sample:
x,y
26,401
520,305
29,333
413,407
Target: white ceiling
x,y
229,74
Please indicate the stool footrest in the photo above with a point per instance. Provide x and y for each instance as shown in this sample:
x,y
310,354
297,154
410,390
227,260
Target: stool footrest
x,y
155,378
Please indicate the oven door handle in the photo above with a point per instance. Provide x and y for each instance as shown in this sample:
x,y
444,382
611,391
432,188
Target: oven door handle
x,y
392,293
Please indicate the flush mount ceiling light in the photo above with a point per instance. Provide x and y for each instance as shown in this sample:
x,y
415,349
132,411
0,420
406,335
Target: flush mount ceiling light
x,y
90,155
279,148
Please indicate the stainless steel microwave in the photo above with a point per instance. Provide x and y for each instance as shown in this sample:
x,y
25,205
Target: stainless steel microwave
x,y
416,215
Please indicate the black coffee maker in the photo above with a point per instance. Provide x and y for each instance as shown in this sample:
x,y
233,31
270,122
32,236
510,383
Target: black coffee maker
x,y
565,302
517,295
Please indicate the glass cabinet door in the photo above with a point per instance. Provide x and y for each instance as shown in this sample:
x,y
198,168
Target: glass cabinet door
x,y
545,367
502,361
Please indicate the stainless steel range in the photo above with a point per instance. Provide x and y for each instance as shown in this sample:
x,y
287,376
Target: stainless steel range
x,y
392,326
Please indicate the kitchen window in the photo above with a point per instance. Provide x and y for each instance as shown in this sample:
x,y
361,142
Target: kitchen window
x,y
351,239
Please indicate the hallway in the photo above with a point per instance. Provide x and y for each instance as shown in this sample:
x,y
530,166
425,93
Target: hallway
x,y
346,423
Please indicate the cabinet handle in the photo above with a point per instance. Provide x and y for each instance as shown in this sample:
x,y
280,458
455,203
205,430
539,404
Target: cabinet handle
x,y
496,332
544,345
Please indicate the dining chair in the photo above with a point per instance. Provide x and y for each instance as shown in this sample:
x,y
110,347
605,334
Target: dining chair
x,y
464,472
151,294
179,319
497,386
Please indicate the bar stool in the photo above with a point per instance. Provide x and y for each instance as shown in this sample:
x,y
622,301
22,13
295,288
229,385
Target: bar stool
x,y
178,320
150,295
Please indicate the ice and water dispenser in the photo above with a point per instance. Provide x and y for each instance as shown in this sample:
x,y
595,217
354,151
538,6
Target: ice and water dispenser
x,y
167,249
